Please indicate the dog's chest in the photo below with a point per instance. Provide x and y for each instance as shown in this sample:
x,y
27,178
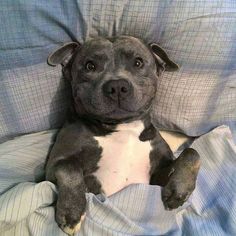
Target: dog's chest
x,y
125,159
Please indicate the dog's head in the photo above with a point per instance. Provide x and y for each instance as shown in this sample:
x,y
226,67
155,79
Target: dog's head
x,y
114,79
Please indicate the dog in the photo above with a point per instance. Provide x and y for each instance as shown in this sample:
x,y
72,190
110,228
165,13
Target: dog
x,y
113,83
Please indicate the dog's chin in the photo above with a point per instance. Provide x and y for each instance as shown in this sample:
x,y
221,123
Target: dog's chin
x,y
119,116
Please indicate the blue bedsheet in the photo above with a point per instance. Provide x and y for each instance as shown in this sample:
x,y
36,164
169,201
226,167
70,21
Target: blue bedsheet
x,y
26,207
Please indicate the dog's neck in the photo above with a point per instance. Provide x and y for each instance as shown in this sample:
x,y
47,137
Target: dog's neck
x,y
97,127
101,128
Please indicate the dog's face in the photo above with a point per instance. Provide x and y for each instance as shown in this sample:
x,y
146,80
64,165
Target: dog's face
x,y
112,80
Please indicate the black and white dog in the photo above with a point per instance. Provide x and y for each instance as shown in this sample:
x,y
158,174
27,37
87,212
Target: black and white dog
x,y
113,83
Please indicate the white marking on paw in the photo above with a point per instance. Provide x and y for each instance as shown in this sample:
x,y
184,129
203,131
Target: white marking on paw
x,y
71,231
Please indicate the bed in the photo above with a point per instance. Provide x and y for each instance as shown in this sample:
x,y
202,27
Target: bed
x,y
199,102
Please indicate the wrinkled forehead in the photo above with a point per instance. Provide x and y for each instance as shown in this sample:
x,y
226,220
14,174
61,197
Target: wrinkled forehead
x,y
115,46
131,45
97,46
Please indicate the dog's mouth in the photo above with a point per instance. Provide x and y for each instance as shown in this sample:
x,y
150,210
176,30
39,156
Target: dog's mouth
x,y
118,114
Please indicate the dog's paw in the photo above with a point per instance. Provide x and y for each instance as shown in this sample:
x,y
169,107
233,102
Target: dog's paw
x,y
182,181
173,195
70,208
69,220
71,230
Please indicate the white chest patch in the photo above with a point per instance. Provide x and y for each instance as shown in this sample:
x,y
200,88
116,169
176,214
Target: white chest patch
x,y
125,159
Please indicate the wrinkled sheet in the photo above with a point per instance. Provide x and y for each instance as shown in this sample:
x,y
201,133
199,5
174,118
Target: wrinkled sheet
x,y
26,204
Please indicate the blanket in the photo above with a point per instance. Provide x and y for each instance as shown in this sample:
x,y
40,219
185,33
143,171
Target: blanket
x,y
27,202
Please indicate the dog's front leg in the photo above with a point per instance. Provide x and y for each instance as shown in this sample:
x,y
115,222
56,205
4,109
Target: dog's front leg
x,y
72,161
71,200
177,177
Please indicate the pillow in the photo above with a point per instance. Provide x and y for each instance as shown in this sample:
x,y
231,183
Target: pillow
x,y
200,36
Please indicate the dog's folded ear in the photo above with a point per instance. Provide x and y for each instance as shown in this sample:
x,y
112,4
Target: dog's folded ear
x,y
63,54
162,59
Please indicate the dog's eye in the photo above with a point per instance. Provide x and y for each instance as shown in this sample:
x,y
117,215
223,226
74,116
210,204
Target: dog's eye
x,y
89,66
138,62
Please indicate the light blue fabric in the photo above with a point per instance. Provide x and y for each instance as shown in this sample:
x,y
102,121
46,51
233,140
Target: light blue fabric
x,y
199,35
26,207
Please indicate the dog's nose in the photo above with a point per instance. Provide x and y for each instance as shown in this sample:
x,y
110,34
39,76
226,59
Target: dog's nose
x,y
117,89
